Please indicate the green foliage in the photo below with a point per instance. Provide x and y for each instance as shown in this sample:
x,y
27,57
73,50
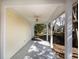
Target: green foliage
x,y
39,28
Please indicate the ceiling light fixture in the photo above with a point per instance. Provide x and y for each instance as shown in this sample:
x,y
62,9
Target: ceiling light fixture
x,y
36,18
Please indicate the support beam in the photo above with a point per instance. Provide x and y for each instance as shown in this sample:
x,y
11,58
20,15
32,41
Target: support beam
x,y
68,30
47,32
3,31
51,36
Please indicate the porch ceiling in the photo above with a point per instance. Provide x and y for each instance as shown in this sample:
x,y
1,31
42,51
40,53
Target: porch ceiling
x,y
33,9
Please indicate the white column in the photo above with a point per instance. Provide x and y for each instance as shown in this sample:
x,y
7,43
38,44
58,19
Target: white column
x,y
47,32
3,32
68,30
51,36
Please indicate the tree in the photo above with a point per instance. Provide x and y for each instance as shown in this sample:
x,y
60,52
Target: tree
x,y
39,28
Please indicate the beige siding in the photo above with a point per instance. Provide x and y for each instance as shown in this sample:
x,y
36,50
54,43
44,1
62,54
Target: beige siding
x,y
18,32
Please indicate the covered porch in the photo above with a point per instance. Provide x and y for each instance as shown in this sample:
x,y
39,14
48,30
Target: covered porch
x,y
43,25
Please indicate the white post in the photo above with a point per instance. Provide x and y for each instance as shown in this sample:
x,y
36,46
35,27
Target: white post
x,y
51,36
68,30
3,31
47,32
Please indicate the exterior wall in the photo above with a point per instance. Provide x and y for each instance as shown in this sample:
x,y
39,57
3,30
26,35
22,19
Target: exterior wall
x,y
19,32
